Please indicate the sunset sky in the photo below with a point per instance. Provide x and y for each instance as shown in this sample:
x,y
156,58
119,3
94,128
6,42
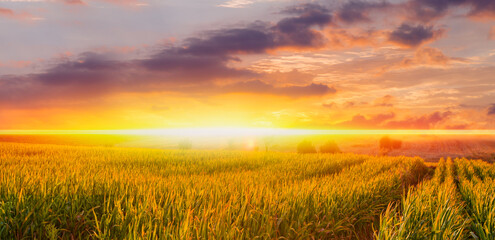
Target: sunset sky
x,y
138,64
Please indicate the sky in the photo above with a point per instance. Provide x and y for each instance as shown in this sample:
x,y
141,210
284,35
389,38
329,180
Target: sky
x,y
144,64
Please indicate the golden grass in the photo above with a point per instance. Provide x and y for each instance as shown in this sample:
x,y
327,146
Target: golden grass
x,y
50,192
457,203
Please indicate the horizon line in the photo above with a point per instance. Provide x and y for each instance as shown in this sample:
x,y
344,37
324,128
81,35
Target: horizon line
x,y
247,131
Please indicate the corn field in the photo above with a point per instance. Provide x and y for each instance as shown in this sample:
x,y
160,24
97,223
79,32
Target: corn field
x,y
77,192
457,203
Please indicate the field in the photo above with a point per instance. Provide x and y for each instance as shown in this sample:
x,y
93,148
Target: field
x,y
94,192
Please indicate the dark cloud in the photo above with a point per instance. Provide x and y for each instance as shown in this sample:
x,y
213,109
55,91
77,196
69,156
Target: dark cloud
x,y
255,38
260,37
422,122
252,39
358,11
204,61
297,31
482,8
491,109
215,49
257,86
413,36
90,68
428,10
183,66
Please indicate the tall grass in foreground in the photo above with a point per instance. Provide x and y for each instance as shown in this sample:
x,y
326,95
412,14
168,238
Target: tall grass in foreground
x,y
477,187
50,192
432,210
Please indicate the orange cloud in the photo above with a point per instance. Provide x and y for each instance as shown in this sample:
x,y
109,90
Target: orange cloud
x,y
428,121
389,121
361,122
429,56
9,13
385,101
74,2
6,12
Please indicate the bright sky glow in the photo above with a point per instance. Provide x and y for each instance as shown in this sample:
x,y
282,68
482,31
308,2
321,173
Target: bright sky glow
x,y
245,132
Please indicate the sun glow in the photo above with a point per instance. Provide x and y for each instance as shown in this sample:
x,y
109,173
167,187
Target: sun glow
x,y
246,131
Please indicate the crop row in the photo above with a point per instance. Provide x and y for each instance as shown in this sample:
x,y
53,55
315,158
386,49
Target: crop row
x,y
457,203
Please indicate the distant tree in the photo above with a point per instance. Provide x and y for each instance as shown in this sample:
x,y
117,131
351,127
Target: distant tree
x,y
388,144
330,147
306,147
185,144
268,141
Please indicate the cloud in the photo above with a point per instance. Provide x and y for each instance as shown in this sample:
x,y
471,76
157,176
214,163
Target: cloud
x,y
428,121
482,8
414,35
6,12
359,11
428,10
385,101
92,75
360,121
217,47
204,61
330,105
9,13
457,126
236,3
296,91
345,39
187,66
387,121
491,109
297,31
211,53
430,57
74,2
